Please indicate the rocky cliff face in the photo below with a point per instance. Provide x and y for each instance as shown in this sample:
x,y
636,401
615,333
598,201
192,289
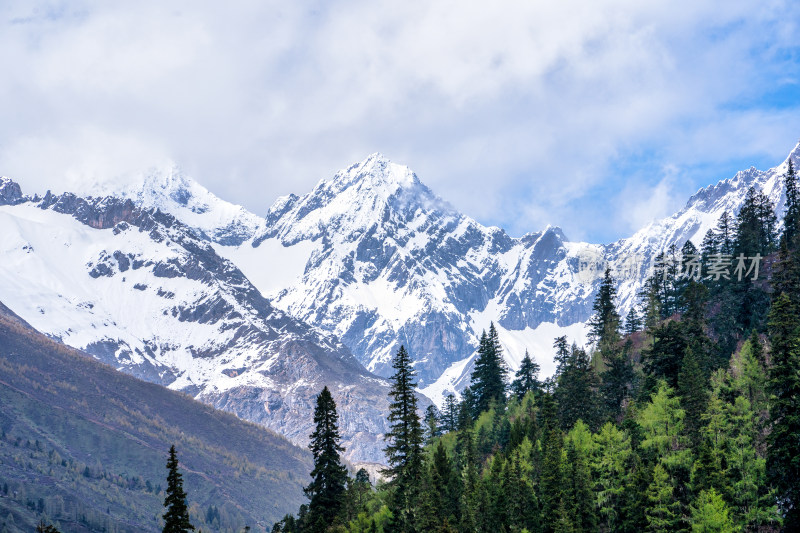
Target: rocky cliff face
x,y
143,292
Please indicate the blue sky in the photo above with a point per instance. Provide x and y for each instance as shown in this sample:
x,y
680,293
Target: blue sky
x,y
596,116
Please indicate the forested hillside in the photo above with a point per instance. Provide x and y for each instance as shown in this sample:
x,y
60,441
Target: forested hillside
x,y
685,416
84,447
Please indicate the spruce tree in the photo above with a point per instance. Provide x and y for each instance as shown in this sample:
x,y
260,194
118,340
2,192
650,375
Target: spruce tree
x,y
432,429
663,512
404,448
784,408
711,513
692,390
527,377
450,413
176,519
489,374
605,324
329,476
791,217
633,321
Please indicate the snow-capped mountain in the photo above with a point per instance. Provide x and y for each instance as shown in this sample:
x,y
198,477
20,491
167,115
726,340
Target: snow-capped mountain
x,y
143,292
370,256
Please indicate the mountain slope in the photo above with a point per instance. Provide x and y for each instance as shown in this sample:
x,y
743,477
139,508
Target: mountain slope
x,y
141,291
86,445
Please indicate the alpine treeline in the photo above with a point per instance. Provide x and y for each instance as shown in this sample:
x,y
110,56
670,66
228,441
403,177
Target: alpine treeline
x,y
684,416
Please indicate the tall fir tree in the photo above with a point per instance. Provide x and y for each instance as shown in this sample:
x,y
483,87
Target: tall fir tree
x,y
404,448
693,396
605,324
176,519
791,217
526,378
488,380
783,461
329,476
450,413
432,426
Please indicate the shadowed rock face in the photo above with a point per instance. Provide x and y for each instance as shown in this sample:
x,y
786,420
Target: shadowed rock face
x,y
203,328
10,192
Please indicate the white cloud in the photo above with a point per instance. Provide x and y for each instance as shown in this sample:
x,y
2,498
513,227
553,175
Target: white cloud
x,y
513,110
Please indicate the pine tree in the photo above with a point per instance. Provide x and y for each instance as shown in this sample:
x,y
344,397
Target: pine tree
x,y
663,512
176,519
329,476
609,468
692,390
551,482
450,413
432,428
633,321
489,374
784,408
617,378
404,449
725,233
561,357
527,377
576,393
710,514
605,324
791,217
578,483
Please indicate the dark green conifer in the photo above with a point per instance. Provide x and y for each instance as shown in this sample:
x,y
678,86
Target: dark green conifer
x,y
527,377
692,391
791,217
783,463
404,448
488,380
176,519
329,476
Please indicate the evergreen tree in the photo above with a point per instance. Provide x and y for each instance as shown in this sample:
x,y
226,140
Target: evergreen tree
x,y
450,413
561,345
176,519
725,233
617,378
710,514
404,449
783,461
605,324
576,393
612,453
577,479
791,217
527,377
663,512
432,429
489,374
329,475
633,321
692,390
551,483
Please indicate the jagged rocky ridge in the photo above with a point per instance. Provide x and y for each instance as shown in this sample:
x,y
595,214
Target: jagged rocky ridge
x,y
143,292
375,258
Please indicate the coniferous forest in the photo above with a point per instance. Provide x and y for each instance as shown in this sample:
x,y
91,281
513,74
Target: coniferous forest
x,y
683,416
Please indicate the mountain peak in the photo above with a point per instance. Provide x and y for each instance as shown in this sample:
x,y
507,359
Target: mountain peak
x,y
376,174
10,191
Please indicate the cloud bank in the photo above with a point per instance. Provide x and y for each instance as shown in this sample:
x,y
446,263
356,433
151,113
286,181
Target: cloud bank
x,y
520,113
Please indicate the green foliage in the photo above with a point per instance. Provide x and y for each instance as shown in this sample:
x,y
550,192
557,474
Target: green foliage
x,y
404,448
176,519
489,374
329,475
710,514
784,407
526,378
